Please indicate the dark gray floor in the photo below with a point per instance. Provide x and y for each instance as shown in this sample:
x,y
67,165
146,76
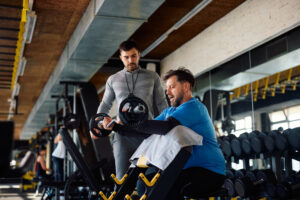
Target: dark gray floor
x,y
12,192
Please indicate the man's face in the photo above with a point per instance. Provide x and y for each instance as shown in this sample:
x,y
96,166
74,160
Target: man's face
x,y
130,59
175,91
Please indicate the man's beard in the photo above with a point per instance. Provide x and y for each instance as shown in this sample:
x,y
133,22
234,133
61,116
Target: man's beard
x,y
178,101
132,65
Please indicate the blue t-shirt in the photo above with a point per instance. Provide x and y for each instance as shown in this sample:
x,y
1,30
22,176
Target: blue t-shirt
x,y
193,114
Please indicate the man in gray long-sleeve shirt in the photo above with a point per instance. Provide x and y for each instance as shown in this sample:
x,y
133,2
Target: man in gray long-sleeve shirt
x,y
141,83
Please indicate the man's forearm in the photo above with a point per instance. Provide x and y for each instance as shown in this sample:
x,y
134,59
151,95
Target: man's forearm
x,y
149,127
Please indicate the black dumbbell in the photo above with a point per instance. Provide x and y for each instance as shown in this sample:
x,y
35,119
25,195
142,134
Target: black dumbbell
x,y
225,146
236,147
260,143
269,143
94,124
257,141
245,143
293,137
232,175
240,173
270,181
229,183
252,185
244,186
280,140
289,188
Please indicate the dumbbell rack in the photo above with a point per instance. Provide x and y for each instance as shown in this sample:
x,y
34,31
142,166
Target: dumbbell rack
x,y
277,155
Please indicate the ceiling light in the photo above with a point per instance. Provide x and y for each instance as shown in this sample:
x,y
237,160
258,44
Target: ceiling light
x,y
30,4
16,90
176,26
29,27
21,67
191,14
154,44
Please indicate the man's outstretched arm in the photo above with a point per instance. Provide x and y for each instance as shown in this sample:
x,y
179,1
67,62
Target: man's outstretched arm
x,y
149,127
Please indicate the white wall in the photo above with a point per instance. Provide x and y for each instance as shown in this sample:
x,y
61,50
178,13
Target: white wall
x,y
252,23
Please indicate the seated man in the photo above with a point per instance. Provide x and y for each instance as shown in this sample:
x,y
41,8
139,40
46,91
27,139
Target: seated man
x,y
205,169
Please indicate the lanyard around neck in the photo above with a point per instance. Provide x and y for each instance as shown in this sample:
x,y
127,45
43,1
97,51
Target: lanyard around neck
x,y
133,82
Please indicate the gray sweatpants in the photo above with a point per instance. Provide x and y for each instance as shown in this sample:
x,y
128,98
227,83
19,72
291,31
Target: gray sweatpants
x,y
123,148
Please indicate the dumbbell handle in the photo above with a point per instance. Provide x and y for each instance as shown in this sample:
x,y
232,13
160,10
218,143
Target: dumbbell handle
x,y
295,186
259,181
111,123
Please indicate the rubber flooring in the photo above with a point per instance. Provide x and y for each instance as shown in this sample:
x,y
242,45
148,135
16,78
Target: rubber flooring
x,y
12,192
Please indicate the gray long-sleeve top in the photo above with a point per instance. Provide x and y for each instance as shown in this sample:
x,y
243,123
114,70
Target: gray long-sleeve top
x,y
147,87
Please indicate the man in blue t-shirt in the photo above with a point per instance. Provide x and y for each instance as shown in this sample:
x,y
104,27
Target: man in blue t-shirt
x,y
204,172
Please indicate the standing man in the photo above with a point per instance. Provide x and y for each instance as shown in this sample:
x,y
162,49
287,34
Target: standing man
x,y
141,83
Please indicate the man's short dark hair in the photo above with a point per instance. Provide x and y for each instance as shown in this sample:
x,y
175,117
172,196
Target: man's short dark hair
x,y
128,45
182,74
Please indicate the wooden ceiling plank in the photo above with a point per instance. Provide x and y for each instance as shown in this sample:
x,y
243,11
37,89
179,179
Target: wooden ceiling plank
x,y
56,21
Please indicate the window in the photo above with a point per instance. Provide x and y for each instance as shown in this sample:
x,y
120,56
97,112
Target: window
x,y
243,125
240,124
295,165
237,166
294,124
277,116
283,125
293,113
286,118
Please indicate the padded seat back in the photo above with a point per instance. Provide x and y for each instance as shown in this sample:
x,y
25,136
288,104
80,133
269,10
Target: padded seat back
x,y
6,145
26,162
79,161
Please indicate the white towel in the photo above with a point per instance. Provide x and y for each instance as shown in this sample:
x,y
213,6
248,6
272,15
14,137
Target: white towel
x,y
160,150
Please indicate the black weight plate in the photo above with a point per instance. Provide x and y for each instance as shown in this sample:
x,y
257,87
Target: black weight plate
x,y
240,187
246,147
133,111
250,175
256,145
240,173
270,189
244,136
283,190
281,142
236,147
269,143
226,148
229,185
294,138
94,121
267,175
229,174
